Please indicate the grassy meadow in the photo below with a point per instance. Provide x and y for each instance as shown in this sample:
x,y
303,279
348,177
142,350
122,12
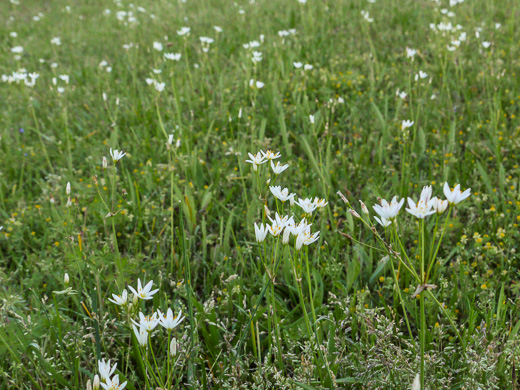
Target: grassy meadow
x,y
124,133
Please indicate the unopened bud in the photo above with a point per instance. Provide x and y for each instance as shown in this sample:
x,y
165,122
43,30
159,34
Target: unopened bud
x,y
104,96
69,202
52,199
105,163
268,181
135,300
173,347
89,385
67,188
354,213
267,211
66,279
96,383
364,207
117,102
343,197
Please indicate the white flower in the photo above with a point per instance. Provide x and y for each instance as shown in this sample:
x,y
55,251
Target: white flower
x,y
270,155
402,94
261,232
320,203
455,196
278,224
184,31
141,336
117,155
283,195
257,56
56,41
308,67
297,65
159,86
388,210
143,293
311,119
406,124
105,370
120,300
158,46
416,385
423,207
307,205
486,44
64,77
421,75
206,40
258,84
147,323
67,188
17,49
366,16
256,159
410,53
172,56
169,321
383,222
341,100
306,238
440,205
278,168
218,29
497,26
149,81
113,384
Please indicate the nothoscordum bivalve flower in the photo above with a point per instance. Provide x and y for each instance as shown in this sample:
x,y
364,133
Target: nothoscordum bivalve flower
x,y
440,206
256,159
168,320
105,369
261,232
388,210
141,335
278,168
406,124
283,195
383,222
117,155
423,207
270,155
113,384
120,300
278,224
147,323
320,203
307,205
143,293
306,238
455,196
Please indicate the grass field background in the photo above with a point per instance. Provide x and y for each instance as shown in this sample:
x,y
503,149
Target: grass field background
x,y
337,80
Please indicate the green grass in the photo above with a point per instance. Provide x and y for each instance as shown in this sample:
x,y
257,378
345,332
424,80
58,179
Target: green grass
x,y
184,214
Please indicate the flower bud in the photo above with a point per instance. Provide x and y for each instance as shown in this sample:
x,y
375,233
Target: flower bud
x,y
286,235
354,213
69,202
364,207
135,300
96,383
89,385
173,347
67,188
66,279
104,96
105,164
